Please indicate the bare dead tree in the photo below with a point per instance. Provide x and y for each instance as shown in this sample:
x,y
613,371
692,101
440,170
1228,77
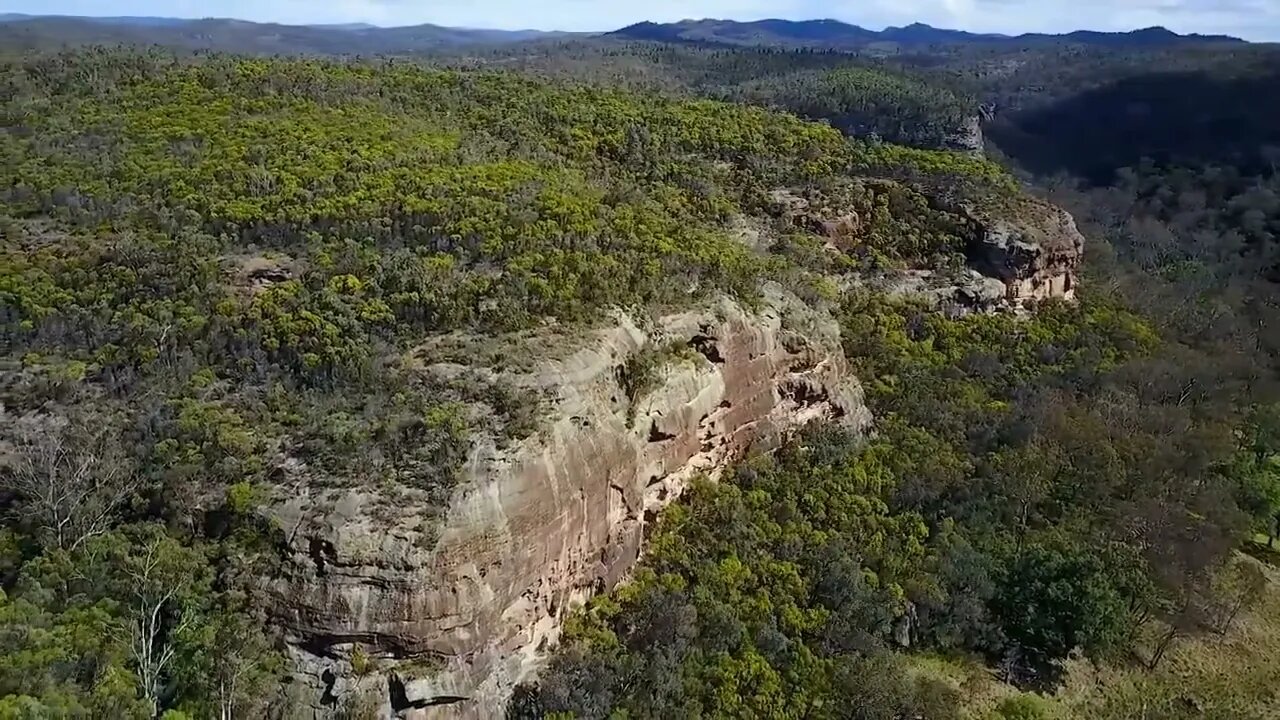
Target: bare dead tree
x,y
71,479
155,592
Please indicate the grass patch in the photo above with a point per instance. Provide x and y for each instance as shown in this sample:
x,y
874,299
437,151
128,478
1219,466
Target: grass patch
x,y
1235,675
1262,550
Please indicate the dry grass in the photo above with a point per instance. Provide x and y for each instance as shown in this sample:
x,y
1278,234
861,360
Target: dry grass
x,y
1235,676
977,684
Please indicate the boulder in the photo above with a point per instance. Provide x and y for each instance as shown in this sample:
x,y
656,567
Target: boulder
x,y
953,294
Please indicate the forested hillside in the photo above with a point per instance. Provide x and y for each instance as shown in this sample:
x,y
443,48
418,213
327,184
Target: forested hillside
x,y
229,281
212,266
860,96
35,33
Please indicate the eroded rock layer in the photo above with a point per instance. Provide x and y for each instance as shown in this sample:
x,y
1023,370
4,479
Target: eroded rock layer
x,y
1032,248
1037,257
536,528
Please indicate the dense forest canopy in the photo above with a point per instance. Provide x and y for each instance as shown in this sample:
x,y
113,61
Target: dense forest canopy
x,y
860,95
213,264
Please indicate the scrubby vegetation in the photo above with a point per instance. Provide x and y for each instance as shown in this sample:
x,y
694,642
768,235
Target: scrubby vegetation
x,y
224,278
997,512
215,268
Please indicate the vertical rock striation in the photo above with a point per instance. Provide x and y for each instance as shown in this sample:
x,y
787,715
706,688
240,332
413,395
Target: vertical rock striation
x,y
536,528
1037,256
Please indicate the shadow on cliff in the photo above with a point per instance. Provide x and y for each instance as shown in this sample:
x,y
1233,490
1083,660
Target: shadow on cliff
x,y
1186,117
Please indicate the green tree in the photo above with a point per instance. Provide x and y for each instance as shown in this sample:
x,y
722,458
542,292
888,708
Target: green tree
x,y
227,664
1236,587
1258,471
62,645
163,589
1057,596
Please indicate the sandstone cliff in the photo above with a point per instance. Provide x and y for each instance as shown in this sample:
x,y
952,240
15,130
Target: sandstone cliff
x,y
1018,252
1036,252
378,602
446,629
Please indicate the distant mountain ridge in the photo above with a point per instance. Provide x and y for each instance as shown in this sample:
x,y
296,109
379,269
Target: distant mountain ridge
x,y
837,34
346,26
18,32
136,20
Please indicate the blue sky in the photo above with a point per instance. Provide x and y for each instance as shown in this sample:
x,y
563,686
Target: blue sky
x,y
1253,19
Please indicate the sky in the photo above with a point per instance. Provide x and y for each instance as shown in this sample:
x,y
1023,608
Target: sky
x,y
1251,19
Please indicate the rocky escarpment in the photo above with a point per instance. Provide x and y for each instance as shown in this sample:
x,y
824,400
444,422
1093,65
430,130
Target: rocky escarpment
x,y
1036,252
447,628
1015,260
1019,252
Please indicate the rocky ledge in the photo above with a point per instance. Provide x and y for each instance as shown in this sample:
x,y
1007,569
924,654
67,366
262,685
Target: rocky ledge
x,y
1036,253
1012,262
1022,253
450,627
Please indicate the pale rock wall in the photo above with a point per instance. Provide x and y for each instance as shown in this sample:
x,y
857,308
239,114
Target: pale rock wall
x,y
535,529
1037,257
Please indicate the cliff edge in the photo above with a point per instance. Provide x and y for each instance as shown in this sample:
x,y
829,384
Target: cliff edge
x,y
537,527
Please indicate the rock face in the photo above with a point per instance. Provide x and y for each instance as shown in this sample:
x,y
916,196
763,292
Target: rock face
x,y
1037,256
536,528
954,295
1029,252
967,137
835,226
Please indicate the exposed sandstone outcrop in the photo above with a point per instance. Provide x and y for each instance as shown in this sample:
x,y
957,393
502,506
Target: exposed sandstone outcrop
x,y
1036,252
836,226
952,294
1033,256
1030,247
534,529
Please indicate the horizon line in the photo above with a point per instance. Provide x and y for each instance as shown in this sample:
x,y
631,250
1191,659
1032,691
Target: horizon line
x,y
374,26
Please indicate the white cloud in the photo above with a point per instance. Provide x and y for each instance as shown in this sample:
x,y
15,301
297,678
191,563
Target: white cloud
x,y
1255,19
